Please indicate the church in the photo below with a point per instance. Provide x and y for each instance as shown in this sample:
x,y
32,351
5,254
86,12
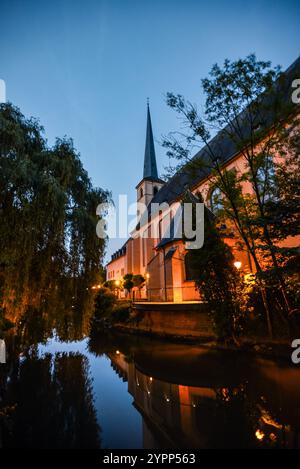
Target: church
x,y
162,259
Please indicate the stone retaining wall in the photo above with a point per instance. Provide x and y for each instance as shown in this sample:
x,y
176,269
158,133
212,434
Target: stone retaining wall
x,y
173,319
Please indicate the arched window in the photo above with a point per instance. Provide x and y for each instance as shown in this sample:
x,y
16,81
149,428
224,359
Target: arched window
x,y
141,192
216,203
155,190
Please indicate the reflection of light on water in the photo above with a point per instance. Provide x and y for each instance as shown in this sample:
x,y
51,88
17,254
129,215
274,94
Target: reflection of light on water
x,y
268,419
22,358
259,434
225,394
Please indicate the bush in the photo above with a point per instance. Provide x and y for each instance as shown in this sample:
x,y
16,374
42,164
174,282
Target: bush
x,y
121,312
253,321
108,310
104,303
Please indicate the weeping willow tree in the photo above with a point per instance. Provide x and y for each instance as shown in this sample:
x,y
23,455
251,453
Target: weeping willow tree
x,y
48,242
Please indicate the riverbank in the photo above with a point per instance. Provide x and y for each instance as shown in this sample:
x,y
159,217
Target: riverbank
x,y
279,349
190,323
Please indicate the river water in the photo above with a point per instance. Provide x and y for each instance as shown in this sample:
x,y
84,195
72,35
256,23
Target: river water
x,y
117,391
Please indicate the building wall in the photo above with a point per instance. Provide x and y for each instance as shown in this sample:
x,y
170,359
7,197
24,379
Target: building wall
x,y
190,320
129,255
116,269
136,255
242,255
155,282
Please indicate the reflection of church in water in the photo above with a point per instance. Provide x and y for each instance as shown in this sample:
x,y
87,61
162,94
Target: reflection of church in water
x,y
164,406
211,411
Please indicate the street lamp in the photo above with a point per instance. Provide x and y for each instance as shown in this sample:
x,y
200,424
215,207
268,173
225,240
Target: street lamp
x,y
237,265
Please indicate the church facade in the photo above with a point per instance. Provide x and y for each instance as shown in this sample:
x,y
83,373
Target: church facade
x,y
161,259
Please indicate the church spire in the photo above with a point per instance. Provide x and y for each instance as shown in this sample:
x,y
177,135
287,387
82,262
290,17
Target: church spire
x,y
150,168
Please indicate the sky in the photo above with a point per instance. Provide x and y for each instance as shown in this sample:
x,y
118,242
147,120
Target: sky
x,y
86,67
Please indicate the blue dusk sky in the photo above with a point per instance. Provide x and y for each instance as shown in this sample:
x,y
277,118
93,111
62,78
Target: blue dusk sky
x,y
86,68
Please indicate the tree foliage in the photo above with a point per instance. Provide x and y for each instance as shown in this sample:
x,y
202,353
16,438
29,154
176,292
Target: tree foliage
x,y
48,214
128,283
138,281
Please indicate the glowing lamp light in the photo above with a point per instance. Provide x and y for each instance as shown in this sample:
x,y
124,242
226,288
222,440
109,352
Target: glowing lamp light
x,y
117,352
117,282
147,275
249,278
237,264
259,434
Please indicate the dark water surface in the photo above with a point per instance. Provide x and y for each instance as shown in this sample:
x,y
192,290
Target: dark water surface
x,y
124,392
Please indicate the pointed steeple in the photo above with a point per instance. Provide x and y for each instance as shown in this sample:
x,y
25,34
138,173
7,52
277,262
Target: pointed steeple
x,y
150,168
